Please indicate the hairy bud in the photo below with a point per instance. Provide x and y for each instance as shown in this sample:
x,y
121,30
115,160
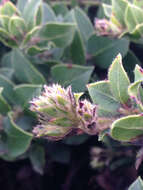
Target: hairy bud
x,y
105,27
61,113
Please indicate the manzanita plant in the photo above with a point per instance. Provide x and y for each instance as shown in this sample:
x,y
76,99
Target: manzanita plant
x,y
52,53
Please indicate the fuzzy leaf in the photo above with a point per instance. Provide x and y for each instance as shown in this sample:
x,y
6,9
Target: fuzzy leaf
x,y
30,35
17,26
4,21
77,49
137,185
4,106
7,92
101,95
7,39
135,91
107,9
118,10
8,9
30,11
74,75
18,140
7,72
24,70
119,81
37,158
127,128
26,92
59,33
133,17
48,14
138,72
21,4
60,8
137,32
104,49
129,62
85,27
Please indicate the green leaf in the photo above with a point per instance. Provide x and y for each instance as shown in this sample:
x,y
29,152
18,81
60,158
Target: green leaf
x,y
135,91
4,106
104,49
74,75
30,11
39,15
30,34
107,9
119,80
138,72
6,60
34,50
8,9
48,14
127,128
7,92
133,17
26,92
77,50
137,185
25,121
18,140
83,23
4,21
101,95
7,72
21,5
6,39
24,70
37,158
118,10
59,33
60,8
137,32
17,26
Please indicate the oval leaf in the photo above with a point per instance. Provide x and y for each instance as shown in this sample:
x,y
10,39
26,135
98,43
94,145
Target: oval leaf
x,y
104,49
24,70
26,92
18,140
127,128
74,75
59,33
100,94
119,80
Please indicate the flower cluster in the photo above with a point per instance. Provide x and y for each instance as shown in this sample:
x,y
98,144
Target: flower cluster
x,y
61,113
